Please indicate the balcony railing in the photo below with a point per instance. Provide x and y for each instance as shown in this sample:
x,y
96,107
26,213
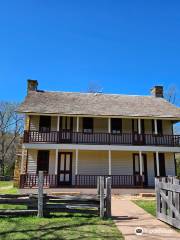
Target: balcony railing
x,y
101,138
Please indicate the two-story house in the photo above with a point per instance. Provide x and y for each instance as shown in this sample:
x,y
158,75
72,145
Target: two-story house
x,y
75,137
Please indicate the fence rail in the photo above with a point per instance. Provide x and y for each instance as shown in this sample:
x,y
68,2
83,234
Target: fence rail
x,y
168,200
100,138
43,204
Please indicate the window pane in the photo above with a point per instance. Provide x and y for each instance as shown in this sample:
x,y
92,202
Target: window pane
x,y
68,162
62,161
67,178
136,163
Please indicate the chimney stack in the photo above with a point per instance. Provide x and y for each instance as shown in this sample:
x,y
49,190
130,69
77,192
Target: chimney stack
x,y
32,85
157,91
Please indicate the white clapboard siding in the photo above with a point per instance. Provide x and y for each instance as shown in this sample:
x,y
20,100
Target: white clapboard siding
x,y
34,123
150,168
53,123
126,125
169,164
122,163
93,162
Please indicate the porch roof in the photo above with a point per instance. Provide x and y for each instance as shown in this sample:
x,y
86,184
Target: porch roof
x,y
97,104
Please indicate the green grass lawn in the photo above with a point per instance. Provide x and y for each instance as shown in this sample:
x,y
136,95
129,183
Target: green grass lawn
x,y
6,187
62,226
148,205
6,183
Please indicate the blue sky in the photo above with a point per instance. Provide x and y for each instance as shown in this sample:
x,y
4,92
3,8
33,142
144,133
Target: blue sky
x,y
123,46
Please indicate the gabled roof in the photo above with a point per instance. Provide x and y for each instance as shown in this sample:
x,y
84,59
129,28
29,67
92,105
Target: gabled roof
x,y
72,103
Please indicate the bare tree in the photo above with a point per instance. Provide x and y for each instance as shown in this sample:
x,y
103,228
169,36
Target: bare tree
x,y
11,127
172,96
94,88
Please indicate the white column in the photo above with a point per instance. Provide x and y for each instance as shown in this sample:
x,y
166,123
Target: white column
x,y
58,121
155,126
109,155
157,163
109,125
77,160
77,126
56,162
139,126
141,163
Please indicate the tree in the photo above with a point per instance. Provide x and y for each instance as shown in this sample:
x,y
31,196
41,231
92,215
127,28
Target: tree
x,y
172,96
94,88
11,127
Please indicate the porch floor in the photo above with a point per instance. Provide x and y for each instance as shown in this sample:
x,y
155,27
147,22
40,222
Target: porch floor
x,y
118,191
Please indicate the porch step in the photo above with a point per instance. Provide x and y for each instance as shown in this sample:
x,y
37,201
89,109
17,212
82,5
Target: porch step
x,y
65,193
147,194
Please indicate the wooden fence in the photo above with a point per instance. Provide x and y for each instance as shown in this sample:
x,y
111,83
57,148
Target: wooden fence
x,y
168,200
43,204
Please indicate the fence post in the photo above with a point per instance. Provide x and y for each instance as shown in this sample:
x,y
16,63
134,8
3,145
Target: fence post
x,y
98,185
170,196
101,196
157,196
108,197
40,194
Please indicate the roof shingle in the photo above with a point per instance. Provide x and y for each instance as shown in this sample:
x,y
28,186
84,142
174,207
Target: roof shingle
x,y
72,103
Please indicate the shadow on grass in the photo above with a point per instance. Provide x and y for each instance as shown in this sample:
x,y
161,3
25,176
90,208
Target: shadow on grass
x,y
69,226
49,231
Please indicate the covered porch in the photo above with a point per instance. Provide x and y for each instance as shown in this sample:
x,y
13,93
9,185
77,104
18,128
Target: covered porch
x,y
80,168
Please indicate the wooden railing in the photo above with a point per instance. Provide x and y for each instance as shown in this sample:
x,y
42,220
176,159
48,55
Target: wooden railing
x,y
116,180
82,181
31,180
101,138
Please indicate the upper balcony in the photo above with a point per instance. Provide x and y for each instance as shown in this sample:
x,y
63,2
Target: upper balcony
x,y
99,131
69,137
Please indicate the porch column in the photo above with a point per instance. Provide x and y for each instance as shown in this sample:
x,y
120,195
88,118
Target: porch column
x,y
155,126
141,163
157,164
58,121
56,162
109,153
77,160
109,125
77,126
139,126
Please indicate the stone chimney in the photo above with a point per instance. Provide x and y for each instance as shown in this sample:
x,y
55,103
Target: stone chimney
x,y
157,91
32,85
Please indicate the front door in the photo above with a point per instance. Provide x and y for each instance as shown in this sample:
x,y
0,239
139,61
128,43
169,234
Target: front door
x,y
136,168
65,168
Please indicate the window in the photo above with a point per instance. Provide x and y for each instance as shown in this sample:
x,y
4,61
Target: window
x,y
44,123
116,125
88,125
43,161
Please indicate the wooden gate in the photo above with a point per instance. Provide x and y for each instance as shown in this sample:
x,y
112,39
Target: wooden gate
x,y
168,200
